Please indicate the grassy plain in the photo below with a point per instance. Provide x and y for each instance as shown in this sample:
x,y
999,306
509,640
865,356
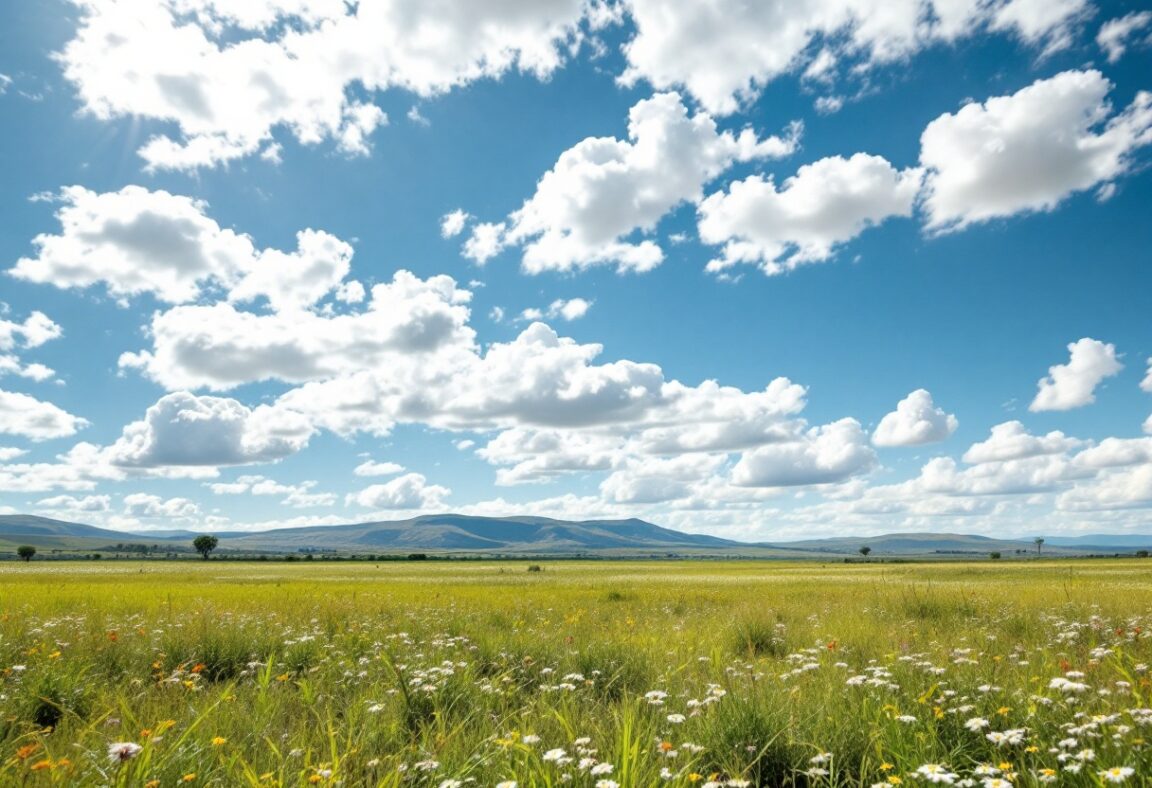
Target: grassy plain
x,y
587,673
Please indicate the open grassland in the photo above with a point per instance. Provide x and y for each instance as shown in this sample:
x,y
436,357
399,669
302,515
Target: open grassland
x,y
588,673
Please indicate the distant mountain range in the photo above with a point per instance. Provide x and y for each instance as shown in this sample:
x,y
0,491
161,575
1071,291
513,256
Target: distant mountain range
x,y
462,534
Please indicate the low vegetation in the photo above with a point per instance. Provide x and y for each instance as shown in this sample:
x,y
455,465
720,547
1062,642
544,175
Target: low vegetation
x,y
587,674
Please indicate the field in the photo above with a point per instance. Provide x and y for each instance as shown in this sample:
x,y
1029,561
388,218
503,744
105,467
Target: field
x,y
585,674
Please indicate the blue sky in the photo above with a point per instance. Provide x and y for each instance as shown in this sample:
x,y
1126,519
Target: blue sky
x,y
761,272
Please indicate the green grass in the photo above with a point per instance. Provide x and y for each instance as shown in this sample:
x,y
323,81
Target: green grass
x,y
239,674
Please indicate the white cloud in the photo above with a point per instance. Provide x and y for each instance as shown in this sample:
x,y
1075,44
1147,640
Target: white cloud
x,y
145,505
915,422
9,453
295,495
602,190
24,415
1115,452
1115,35
1146,384
1148,425
453,223
36,329
569,310
138,241
823,205
68,503
1042,22
410,491
183,429
1012,441
658,479
373,468
1073,385
725,52
1040,473
291,65
219,346
1028,151
1127,488
829,453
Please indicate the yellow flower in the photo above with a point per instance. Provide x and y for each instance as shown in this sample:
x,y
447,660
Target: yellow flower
x,y
218,740
886,767
1003,710
152,784
695,778
315,778
188,777
894,779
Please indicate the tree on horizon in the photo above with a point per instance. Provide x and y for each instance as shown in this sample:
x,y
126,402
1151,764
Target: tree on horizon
x,y
205,544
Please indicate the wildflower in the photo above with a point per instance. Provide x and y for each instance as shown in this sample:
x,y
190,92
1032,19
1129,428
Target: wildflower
x,y
996,782
190,777
41,765
607,784
450,783
817,771
935,773
531,738
601,768
218,741
1117,774
976,724
820,759
507,784
121,751
554,755
676,719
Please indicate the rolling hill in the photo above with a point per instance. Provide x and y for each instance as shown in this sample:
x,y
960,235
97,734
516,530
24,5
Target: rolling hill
x,y
463,534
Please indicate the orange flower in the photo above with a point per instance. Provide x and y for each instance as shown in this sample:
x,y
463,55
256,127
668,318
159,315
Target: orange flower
x,y
41,765
24,752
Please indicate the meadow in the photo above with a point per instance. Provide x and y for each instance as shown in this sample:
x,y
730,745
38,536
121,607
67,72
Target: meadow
x,y
596,673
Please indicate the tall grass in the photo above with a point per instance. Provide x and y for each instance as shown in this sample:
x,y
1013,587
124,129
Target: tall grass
x,y
584,674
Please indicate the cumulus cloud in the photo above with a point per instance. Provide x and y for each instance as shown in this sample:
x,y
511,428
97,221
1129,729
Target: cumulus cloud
x,y
410,491
1116,35
1012,441
823,205
825,454
564,309
299,495
1127,488
36,329
373,468
915,422
70,503
153,506
1073,385
24,415
228,75
452,224
219,346
138,241
184,429
1146,384
1028,151
1034,474
725,52
603,190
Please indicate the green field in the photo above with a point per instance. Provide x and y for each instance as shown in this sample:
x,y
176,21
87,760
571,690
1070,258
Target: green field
x,y
586,673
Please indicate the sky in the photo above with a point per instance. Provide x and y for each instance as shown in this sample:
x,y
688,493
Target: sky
x,y
764,271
